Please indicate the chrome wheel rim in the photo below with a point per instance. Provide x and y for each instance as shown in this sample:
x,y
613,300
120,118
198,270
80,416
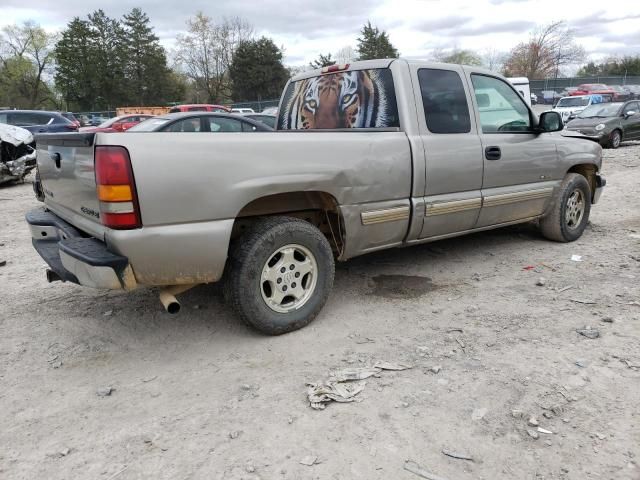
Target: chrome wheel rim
x,y
574,211
615,140
288,278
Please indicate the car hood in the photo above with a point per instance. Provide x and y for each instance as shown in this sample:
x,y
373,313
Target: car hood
x,y
589,122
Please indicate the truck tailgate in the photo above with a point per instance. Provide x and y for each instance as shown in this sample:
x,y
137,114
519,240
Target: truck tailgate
x,y
67,174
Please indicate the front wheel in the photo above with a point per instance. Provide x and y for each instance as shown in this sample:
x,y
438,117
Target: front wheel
x,y
280,274
615,138
569,213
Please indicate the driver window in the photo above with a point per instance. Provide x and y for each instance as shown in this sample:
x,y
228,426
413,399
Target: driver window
x,y
631,107
501,109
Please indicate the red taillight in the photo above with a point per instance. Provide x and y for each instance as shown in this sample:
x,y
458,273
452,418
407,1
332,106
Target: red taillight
x,y
116,188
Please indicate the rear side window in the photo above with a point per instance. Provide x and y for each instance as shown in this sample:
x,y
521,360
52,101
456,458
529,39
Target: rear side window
x,y
222,125
445,103
354,99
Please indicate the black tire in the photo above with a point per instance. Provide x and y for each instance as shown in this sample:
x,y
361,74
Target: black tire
x,y
554,225
249,255
614,140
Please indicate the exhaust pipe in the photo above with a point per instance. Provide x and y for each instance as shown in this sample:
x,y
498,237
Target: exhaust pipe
x,y
52,276
168,297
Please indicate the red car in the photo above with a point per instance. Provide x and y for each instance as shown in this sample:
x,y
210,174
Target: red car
x,y
594,89
117,124
200,107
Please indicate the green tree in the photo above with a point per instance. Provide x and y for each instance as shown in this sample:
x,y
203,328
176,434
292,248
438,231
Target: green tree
x,y
257,71
627,65
322,61
75,73
26,56
459,57
109,60
145,67
374,43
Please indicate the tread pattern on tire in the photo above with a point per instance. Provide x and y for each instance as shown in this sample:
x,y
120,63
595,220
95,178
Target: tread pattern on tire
x,y
552,225
242,272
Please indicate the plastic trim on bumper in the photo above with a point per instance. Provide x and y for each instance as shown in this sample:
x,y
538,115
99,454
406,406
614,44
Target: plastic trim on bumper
x,y
77,259
601,182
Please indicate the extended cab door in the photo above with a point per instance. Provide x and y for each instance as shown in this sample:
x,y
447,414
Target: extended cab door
x,y
519,163
452,150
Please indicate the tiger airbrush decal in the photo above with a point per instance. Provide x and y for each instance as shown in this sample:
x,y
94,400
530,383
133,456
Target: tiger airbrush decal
x,y
353,99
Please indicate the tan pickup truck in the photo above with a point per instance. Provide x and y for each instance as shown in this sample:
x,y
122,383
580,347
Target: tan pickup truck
x,y
367,156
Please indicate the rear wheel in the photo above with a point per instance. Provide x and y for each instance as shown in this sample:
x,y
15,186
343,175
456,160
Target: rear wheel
x,y
569,213
280,274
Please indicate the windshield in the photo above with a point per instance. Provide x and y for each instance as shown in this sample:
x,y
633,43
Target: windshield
x,y
573,102
149,125
601,110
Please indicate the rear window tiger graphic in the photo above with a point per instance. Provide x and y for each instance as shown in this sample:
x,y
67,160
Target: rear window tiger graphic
x,y
355,99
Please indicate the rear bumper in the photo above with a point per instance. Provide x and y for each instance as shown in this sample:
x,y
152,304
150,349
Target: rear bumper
x,y
77,259
601,182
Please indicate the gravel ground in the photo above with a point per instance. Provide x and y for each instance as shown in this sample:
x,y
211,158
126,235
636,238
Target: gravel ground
x,y
104,385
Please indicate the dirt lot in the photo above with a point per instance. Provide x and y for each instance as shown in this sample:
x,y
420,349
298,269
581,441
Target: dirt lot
x,y
199,395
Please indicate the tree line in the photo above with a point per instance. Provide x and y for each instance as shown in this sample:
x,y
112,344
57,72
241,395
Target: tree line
x,y
99,63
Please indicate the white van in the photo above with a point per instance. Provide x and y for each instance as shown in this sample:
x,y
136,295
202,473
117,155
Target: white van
x,y
521,84
242,110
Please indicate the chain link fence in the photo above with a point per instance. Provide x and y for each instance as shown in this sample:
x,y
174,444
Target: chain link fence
x,y
551,89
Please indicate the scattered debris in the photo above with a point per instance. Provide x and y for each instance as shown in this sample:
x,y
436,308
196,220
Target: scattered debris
x,y
457,329
108,313
589,332
580,363
517,413
3,263
149,379
576,258
529,267
564,289
309,460
461,343
250,469
104,391
391,366
346,384
413,467
458,455
608,319
584,302
233,435
436,369
478,414
542,430
533,434
629,364
533,421
541,282
65,452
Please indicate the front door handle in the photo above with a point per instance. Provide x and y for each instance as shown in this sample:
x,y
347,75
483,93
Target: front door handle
x,y
492,153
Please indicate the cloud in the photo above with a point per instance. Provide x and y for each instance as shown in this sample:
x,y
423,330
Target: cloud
x,y
445,23
515,26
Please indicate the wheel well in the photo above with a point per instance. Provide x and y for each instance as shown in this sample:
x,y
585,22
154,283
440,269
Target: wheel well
x,y
318,208
588,171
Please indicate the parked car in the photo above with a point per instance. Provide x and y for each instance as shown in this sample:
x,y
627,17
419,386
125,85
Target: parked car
x,y
594,88
92,120
38,121
269,120
17,153
621,94
634,90
549,97
205,122
118,124
270,111
199,107
242,110
399,153
71,117
569,107
534,99
609,123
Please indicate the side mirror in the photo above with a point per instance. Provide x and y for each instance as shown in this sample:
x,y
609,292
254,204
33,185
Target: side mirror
x,y
550,122
629,113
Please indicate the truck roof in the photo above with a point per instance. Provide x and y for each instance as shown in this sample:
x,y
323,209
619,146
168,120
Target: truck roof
x,y
385,63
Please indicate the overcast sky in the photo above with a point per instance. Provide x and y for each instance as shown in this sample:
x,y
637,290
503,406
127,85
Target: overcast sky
x,y
416,27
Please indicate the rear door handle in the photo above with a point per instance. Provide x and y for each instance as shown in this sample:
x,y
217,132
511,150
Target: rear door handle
x,y
492,153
